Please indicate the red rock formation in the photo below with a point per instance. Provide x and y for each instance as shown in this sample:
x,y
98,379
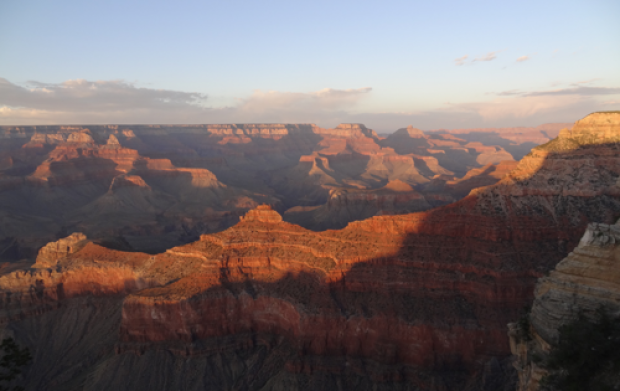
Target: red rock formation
x,y
201,178
538,135
52,252
426,293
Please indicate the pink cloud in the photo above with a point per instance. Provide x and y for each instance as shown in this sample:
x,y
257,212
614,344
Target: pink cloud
x,y
461,60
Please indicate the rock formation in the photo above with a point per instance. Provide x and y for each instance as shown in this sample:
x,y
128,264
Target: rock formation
x,y
411,301
201,178
588,278
344,206
517,141
52,252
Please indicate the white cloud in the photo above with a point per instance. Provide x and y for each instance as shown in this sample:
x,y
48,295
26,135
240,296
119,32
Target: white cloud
x,y
102,96
523,58
326,99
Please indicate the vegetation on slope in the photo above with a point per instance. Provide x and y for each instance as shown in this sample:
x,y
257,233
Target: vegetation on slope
x,y
11,363
586,356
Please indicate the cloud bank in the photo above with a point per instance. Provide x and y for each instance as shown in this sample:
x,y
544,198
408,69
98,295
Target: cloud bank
x,y
116,101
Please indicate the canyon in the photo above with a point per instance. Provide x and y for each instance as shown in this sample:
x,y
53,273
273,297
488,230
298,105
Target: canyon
x,y
440,243
151,187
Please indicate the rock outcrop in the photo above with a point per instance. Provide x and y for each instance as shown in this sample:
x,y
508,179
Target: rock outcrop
x,y
52,252
588,278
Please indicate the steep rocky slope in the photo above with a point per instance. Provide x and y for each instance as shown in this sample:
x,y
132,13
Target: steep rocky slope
x,y
587,279
417,301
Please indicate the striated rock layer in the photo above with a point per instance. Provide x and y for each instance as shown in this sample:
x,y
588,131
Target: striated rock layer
x,y
416,301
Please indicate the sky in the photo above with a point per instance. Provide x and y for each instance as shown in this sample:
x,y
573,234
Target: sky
x,y
387,64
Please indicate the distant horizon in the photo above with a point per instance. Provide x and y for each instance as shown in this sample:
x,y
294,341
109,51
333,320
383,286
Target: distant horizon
x,y
85,125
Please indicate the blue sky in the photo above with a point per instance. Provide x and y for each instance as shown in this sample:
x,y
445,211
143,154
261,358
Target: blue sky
x,y
387,64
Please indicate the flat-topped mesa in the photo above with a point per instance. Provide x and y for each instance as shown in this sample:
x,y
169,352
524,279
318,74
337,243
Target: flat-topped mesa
x,y
410,131
348,130
78,137
50,254
259,129
263,214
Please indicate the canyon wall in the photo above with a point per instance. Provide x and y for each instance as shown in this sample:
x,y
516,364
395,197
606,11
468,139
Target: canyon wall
x,y
417,301
586,280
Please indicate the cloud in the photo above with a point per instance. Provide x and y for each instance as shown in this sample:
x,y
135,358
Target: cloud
x,y
327,105
517,108
523,58
326,99
85,102
488,57
509,93
583,91
461,60
505,111
578,90
585,81
102,96
82,101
